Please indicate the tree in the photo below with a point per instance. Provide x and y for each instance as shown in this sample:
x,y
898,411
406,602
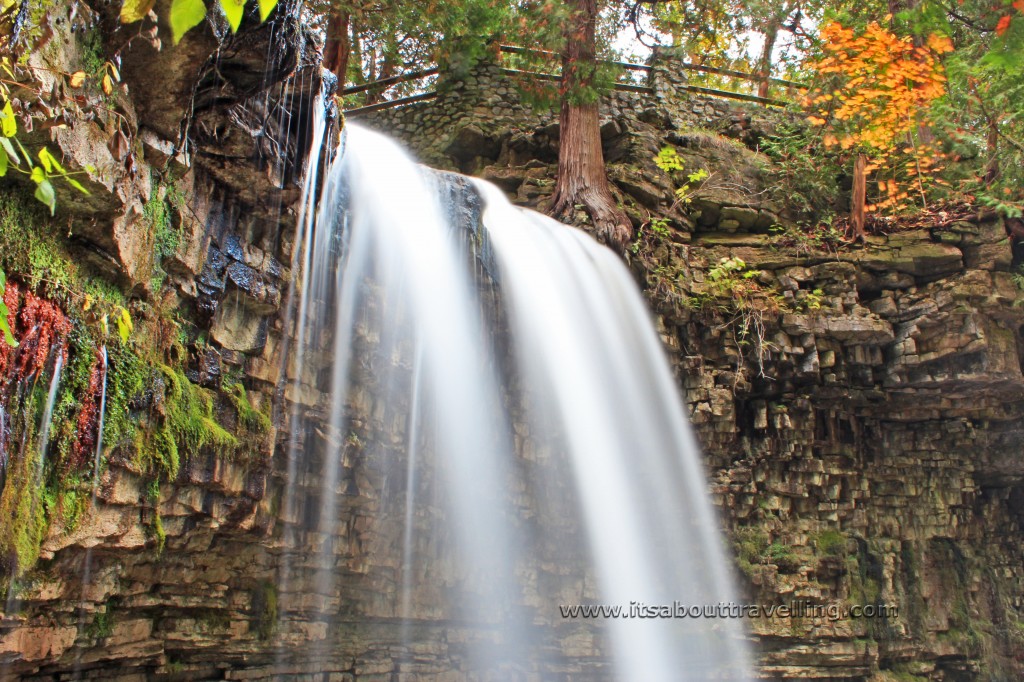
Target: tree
x,y
581,171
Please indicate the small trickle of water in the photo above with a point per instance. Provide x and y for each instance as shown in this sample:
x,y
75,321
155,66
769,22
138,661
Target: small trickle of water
x,y
87,561
3,445
12,601
98,455
44,425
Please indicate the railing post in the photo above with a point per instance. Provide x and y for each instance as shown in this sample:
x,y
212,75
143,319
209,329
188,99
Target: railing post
x,y
667,77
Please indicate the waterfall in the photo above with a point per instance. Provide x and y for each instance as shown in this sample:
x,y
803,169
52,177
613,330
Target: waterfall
x,y
483,388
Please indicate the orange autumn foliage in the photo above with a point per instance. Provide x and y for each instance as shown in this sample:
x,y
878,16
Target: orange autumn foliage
x,y
877,102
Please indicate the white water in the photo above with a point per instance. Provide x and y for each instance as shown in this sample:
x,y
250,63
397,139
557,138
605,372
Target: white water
x,y
11,604
546,455
87,561
98,455
44,425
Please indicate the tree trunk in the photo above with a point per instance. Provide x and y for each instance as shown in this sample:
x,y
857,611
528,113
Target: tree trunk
x,y
581,171
764,64
859,198
992,149
338,46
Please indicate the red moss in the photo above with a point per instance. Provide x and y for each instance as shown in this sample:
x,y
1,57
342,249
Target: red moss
x,y
88,416
43,328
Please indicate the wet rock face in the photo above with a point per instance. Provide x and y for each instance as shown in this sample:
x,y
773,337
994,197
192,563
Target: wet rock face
x,y
869,457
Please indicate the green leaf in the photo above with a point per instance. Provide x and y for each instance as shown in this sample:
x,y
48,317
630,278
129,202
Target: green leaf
x,y
185,14
3,162
124,325
233,10
266,7
45,194
38,175
8,124
76,184
5,313
50,161
5,328
9,148
28,157
135,10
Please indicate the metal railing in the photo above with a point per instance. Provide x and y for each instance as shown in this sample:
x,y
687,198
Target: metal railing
x,y
420,74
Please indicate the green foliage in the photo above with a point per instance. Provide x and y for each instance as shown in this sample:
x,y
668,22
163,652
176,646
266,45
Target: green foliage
x,y
1018,277
805,173
10,146
157,214
809,238
185,15
233,10
812,300
668,160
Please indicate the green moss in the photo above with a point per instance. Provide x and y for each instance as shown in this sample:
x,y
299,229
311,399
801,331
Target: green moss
x,y
93,56
166,238
250,418
214,620
830,543
783,556
101,627
128,380
22,502
158,533
750,544
189,415
264,610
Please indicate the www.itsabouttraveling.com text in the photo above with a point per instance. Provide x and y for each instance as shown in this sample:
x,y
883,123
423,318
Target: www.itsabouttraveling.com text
x,y
831,611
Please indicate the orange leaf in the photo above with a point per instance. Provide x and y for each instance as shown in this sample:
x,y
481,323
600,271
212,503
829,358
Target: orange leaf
x,y
1002,25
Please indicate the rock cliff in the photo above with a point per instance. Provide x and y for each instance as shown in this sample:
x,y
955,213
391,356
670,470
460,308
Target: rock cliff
x,y
860,408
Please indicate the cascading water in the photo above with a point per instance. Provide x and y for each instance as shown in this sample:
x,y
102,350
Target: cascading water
x,y
12,600
96,462
501,371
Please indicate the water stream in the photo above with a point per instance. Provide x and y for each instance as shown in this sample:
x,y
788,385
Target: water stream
x,y
505,367
12,601
87,560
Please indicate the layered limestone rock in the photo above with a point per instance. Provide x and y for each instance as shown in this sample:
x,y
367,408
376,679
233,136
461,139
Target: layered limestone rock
x,y
862,437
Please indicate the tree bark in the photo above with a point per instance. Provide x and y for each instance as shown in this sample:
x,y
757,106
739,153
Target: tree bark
x,y
581,170
859,198
764,64
338,46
